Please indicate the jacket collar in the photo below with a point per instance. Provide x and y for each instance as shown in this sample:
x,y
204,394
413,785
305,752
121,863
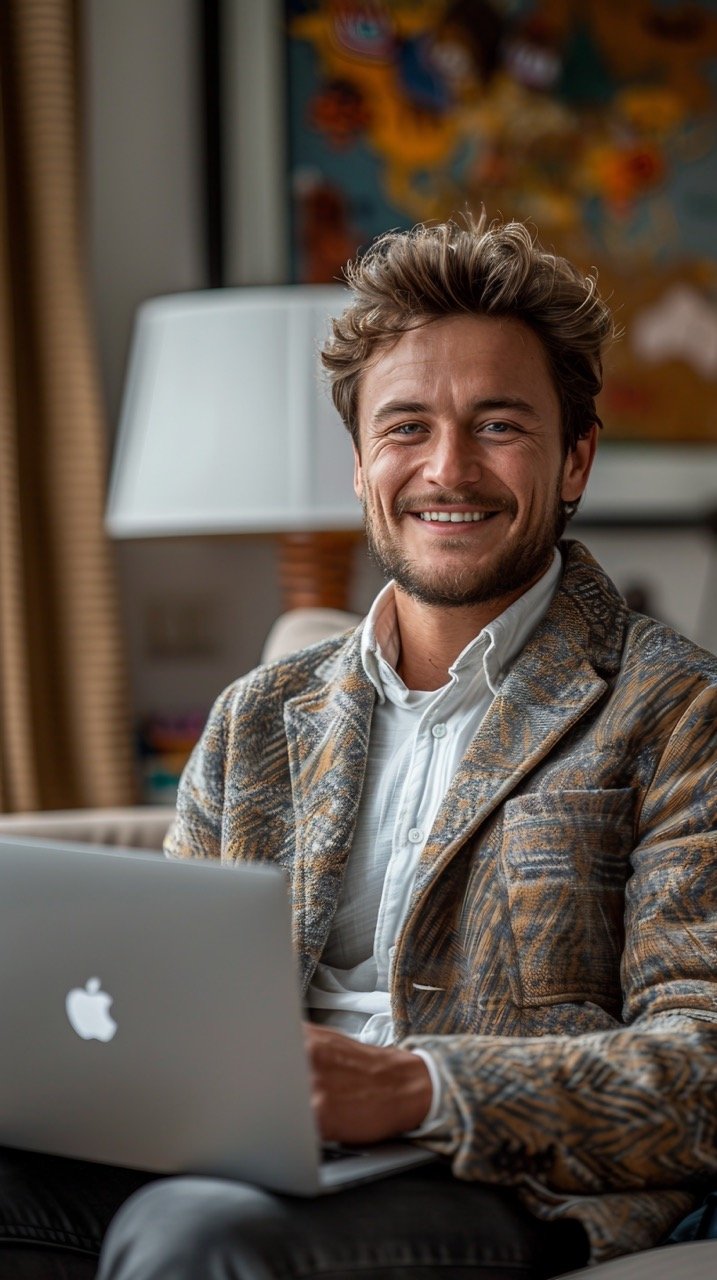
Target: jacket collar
x,y
327,731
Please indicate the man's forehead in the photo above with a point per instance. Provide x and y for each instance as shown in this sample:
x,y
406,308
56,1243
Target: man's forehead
x,y
436,351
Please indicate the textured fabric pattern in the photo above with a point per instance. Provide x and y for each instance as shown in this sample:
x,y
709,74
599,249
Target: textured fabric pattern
x,y
564,905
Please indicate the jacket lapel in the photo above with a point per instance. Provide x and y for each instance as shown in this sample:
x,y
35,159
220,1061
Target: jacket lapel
x,y
561,673
327,733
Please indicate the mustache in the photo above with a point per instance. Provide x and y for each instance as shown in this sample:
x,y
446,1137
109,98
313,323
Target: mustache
x,y
455,497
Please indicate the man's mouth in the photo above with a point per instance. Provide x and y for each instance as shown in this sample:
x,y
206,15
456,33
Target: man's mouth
x,y
455,517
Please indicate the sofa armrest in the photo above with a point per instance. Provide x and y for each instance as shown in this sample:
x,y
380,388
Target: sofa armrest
x,y
142,827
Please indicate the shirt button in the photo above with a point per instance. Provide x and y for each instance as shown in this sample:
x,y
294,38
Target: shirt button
x,y
439,731
415,835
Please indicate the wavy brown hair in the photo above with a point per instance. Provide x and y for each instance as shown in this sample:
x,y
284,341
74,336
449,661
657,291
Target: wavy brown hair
x,y
408,278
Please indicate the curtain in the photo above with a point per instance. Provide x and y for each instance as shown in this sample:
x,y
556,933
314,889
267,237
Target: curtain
x,y
64,730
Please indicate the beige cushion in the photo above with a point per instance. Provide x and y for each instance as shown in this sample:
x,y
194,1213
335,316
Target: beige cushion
x,y
301,627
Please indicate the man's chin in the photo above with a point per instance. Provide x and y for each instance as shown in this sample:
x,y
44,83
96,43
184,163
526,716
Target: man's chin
x,y
462,589
451,595
446,589
505,573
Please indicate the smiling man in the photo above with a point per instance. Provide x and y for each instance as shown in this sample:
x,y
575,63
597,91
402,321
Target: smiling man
x,y
496,801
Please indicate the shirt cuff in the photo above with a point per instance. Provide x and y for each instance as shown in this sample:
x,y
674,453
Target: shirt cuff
x,y
434,1119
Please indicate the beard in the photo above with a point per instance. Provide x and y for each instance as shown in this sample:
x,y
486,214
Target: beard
x,y
514,567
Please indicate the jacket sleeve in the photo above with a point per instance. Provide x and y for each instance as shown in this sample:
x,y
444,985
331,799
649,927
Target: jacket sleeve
x,y
196,830
634,1107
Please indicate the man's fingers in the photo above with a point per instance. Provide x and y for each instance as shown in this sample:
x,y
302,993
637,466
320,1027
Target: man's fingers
x,y
361,1093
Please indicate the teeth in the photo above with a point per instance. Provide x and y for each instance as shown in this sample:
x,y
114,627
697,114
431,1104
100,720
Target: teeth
x,y
455,517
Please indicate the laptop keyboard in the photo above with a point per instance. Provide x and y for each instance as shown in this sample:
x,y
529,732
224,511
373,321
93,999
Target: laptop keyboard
x,y
335,1152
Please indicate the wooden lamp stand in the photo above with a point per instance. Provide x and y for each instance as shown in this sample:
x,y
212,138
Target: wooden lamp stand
x,y
315,568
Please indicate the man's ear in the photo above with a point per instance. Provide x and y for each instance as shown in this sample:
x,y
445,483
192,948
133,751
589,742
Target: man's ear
x,y
358,473
577,466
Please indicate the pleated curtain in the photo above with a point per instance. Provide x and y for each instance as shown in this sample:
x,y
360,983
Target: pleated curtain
x,y
64,726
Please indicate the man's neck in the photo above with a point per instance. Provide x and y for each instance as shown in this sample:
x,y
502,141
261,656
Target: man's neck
x,y
432,636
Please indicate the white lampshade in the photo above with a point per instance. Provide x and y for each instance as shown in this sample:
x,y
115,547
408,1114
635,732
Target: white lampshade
x,y
226,423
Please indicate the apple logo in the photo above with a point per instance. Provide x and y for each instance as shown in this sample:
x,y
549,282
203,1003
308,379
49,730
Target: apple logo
x,y
88,1011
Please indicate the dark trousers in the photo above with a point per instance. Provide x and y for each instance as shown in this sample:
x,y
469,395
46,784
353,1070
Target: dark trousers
x,y
424,1223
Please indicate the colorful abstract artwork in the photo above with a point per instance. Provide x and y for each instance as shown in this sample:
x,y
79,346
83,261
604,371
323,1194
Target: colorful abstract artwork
x,y
593,120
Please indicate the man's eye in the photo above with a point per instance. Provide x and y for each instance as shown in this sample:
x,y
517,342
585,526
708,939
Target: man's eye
x,y
407,428
497,428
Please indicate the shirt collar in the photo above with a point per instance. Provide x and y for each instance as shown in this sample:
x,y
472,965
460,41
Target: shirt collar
x,y
495,647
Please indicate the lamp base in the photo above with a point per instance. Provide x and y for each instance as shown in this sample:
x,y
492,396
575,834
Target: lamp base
x,y
315,568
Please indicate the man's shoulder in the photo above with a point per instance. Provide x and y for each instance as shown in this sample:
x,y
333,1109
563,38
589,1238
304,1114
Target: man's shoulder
x,y
623,639
662,652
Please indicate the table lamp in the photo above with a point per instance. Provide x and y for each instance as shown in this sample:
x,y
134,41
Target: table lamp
x,y
227,427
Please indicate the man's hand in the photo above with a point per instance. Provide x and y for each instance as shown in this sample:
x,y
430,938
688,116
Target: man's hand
x,y
360,1093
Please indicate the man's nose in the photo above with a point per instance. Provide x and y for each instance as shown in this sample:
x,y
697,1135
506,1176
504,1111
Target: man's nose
x,y
453,460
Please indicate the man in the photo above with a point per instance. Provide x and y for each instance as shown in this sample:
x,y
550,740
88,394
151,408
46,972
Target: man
x,y
496,803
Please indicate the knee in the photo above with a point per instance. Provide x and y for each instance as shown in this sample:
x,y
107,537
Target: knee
x,y
182,1228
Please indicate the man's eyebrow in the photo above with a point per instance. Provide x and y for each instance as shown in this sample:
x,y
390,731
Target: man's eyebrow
x,y
493,404
488,404
393,407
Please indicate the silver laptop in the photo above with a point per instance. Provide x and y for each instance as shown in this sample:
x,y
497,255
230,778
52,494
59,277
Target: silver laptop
x,y
150,1017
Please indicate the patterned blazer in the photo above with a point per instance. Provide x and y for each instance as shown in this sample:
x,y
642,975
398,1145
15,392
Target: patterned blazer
x,y
559,958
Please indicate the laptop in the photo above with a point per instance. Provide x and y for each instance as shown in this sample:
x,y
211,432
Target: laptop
x,y
151,1018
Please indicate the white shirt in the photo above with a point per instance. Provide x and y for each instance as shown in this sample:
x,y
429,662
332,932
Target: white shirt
x,y
417,741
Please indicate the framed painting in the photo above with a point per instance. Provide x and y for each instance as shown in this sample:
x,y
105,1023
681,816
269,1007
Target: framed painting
x,y
595,122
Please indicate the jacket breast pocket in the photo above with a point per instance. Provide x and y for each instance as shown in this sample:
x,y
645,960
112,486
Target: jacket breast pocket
x,y
565,859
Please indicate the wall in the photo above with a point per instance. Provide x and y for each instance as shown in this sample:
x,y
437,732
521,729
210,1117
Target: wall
x,y
143,158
